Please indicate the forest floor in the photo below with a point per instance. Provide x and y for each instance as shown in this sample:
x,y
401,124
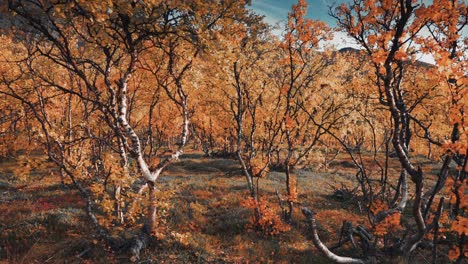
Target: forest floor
x,y
43,221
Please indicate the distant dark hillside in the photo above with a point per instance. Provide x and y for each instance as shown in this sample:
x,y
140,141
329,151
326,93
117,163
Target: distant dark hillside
x,y
349,50
354,51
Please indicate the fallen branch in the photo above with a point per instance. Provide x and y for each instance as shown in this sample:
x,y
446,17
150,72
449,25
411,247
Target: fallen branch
x,y
322,247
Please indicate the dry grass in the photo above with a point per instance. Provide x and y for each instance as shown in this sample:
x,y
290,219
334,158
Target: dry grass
x,y
44,222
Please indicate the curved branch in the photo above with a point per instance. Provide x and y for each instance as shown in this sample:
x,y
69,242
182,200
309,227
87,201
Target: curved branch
x,y
322,247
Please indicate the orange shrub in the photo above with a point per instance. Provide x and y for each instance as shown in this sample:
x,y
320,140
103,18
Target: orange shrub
x,y
265,220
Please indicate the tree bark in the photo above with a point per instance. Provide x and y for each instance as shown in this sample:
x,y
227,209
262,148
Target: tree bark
x,y
322,247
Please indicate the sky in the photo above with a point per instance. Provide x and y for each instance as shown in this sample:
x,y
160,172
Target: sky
x,y
277,11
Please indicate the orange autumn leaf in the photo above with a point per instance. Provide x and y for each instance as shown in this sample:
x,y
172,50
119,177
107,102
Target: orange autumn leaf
x,y
460,225
454,253
390,223
401,55
289,123
372,39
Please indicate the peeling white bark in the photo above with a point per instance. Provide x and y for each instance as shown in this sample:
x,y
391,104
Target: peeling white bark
x,y
122,118
404,191
322,247
136,144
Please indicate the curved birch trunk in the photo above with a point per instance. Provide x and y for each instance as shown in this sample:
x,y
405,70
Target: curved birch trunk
x,y
322,247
